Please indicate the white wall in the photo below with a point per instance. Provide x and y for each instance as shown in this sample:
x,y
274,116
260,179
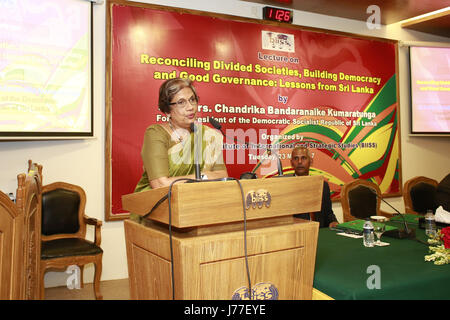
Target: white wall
x,y
82,161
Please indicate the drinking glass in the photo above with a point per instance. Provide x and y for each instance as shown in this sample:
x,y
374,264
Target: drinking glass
x,y
378,228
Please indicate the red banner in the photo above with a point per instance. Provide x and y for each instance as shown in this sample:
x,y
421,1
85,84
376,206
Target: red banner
x,y
270,87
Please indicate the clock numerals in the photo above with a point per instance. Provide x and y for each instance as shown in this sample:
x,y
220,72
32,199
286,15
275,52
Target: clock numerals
x,y
277,14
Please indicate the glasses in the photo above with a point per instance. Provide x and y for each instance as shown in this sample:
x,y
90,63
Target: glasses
x,y
182,103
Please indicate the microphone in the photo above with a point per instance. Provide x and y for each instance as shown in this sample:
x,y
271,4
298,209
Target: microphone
x,y
248,175
216,124
279,166
397,233
197,150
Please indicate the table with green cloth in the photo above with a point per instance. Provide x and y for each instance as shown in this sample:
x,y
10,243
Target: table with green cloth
x,y
344,267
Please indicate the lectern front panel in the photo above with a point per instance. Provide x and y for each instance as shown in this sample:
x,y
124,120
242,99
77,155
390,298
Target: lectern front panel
x,y
281,262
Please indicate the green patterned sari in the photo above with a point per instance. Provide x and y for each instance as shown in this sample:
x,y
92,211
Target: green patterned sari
x,y
164,156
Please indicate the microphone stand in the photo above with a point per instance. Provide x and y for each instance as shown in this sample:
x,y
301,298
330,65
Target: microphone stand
x,y
216,124
397,233
197,147
279,166
198,153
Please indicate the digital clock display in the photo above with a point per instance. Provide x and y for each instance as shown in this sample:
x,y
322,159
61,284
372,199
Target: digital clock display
x,y
277,14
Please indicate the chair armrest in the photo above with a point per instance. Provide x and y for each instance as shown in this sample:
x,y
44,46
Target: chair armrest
x,y
98,225
92,221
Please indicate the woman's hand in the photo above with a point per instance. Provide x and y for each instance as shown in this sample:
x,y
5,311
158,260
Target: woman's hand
x,y
166,181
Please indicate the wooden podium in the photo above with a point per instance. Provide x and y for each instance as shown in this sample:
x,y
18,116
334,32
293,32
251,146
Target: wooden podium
x,y
207,237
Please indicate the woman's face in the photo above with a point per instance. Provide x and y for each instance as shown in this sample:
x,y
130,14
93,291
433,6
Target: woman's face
x,y
183,116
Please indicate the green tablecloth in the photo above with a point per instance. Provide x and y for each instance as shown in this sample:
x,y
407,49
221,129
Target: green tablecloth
x,y
342,269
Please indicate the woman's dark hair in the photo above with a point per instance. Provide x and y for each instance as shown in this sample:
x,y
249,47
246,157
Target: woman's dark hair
x,y
169,89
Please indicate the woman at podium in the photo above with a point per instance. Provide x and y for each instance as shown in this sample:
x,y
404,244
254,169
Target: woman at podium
x,y
168,148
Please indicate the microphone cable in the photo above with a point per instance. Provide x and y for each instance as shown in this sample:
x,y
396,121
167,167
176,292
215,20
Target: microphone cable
x,y
168,196
169,199
245,239
157,204
405,223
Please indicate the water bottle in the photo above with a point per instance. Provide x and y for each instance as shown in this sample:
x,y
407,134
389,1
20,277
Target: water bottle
x,y
430,224
11,196
368,237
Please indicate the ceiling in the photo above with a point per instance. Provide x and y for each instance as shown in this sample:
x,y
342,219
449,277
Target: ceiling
x,y
391,11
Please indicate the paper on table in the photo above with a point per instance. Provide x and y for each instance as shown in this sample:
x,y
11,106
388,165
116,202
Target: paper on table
x,y
356,236
442,216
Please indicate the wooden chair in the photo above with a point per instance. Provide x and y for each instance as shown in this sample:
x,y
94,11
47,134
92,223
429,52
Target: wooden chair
x,y
28,200
11,249
64,230
419,195
443,193
359,202
20,238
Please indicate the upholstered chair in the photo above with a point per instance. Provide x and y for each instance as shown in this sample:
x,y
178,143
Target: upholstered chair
x,y
64,230
419,195
360,199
